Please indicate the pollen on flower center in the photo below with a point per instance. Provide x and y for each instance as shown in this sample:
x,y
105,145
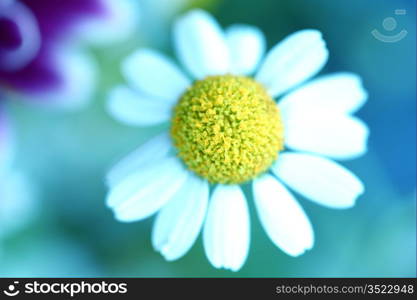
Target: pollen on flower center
x,y
227,129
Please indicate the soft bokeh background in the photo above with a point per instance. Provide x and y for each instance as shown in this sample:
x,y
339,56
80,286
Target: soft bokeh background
x,y
66,154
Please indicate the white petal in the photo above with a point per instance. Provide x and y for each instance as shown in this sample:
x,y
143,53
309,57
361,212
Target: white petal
x,y
156,148
282,216
80,72
201,45
179,222
144,192
155,74
319,179
324,132
247,45
292,61
117,25
226,233
340,92
132,108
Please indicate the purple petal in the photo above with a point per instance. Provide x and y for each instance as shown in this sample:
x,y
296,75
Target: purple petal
x,y
56,17
9,38
55,20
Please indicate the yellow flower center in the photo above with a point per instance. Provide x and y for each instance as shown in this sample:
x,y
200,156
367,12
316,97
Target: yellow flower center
x,y
227,129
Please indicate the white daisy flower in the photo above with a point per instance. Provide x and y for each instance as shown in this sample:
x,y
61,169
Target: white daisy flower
x,y
226,130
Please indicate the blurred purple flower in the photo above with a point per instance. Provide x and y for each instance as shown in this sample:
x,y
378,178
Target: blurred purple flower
x,y
29,32
38,56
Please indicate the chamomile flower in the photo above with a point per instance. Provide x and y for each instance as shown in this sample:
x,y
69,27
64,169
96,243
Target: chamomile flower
x,y
225,130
